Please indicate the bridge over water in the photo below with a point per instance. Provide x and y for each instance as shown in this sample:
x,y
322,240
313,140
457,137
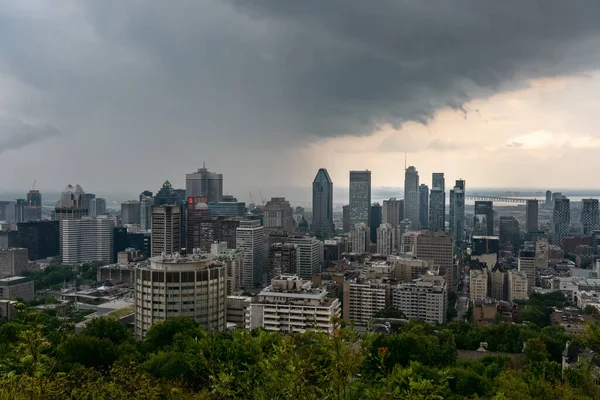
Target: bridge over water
x,y
477,197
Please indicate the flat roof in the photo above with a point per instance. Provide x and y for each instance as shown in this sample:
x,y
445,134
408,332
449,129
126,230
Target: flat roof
x,y
13,280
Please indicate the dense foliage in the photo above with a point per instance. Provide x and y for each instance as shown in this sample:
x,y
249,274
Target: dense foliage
x,y
43,357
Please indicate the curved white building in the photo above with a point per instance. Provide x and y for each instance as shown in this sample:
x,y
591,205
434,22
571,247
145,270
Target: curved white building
x,y
172,286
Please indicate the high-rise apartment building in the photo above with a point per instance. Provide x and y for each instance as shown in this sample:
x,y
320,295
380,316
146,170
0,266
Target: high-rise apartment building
x,y
531,216
423,206
278,216
310,256
376,219
87,239
204,183
483,219
322,204
360,198
196,287
362,299
13,262
526,264
166,229
437,203
457,211
359,238
283,259
561,219
386,239
517,286
197,211
250,239
40,238
130,212
411,196
392,212
589,216
425,299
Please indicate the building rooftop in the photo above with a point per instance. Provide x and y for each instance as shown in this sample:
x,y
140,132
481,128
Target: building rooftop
x,y
13,280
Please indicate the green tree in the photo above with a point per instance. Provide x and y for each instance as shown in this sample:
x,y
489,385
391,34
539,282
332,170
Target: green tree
x,y
535,350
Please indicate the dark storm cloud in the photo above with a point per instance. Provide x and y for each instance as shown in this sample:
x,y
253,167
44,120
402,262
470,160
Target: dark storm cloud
x,y
15,134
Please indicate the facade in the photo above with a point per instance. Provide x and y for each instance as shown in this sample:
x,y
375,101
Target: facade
x,y
363,299
478,284
509,231
17,287
322,204
73,204
393,212
310,256
485,245
146,201
9,239
197,211
438,247
542,254
234,261
411,197
483,218
166,229
227,209
40,238
278,216
407,269
531,216
526,264
386,239
498,285
250,240
437,210
518,288
87,239
171,286
376,219
13,261
456,217
589,216
561,219
360,198
425,299
204,183
290,305
33,207
423,206
359,238
283,259
166,195
130,212
97,207
218,229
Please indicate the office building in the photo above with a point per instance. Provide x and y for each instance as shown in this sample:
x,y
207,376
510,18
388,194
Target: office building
x,y
20,210
542,254
167,195
376,219
561,219
322,204
291,305
87,239
346,218
359,238
130,212
278,216
589,216
166,229
517,286
141,241
195,287
33,207
483,219
72,204
120,241
360,198
40,238
407,269
227,209
485,245
362,299
531,216
146,202
437,247
437,203
456,216
217,229
17,287
13,262
425,299
509,231
333,249
97,207
423,206
478,283
283,259
549,203
250,239
8,238
393,212
310,256
526,264
204,183
386,239
411,197
197,211
498,284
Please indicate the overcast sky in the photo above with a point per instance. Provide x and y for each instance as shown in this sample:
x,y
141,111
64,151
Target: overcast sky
x,y
121,95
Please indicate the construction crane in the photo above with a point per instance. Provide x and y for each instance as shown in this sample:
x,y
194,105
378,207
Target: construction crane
x,y
261,198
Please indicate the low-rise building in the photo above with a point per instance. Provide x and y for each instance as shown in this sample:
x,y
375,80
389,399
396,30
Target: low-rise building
x,y
237,308
13,261
425,298
517,285
408,269
17,287
478,285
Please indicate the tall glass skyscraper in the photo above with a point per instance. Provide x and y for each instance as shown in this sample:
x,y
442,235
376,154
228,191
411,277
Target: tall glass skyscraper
x,y
360,198
437,203
589,216
411,196
204,183
322,204
561,219
457,211
423,206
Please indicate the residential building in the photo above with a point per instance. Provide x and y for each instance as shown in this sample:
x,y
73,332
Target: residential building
x,y
407,269
13,262
425,299
204,183
561,219
411,196
291,305
278,216
40,238
589,216
310,256
322,204
234,262
130,212
527,264
87,239
360,198
531,216
166,229
362,299
283,259
483,219
386,239
359,237
250,240
376,219
423,206
171,286
518,288
478,283
17,287
393,212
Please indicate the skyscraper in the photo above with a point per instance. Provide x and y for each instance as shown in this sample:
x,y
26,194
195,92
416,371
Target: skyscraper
x,y
346,218
360,197
393,212
40,238
197,211
20,210
250,239
548,199
166,229
437,203
166,195
322,204
278,216
531,216
87,239
283,259
589,216
483,219
72,204
204,183
561,219
33,208
509,231
97,207
439,248
130,212
457,211
411,196
376,219
423,206
146,202
310,255
386,239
